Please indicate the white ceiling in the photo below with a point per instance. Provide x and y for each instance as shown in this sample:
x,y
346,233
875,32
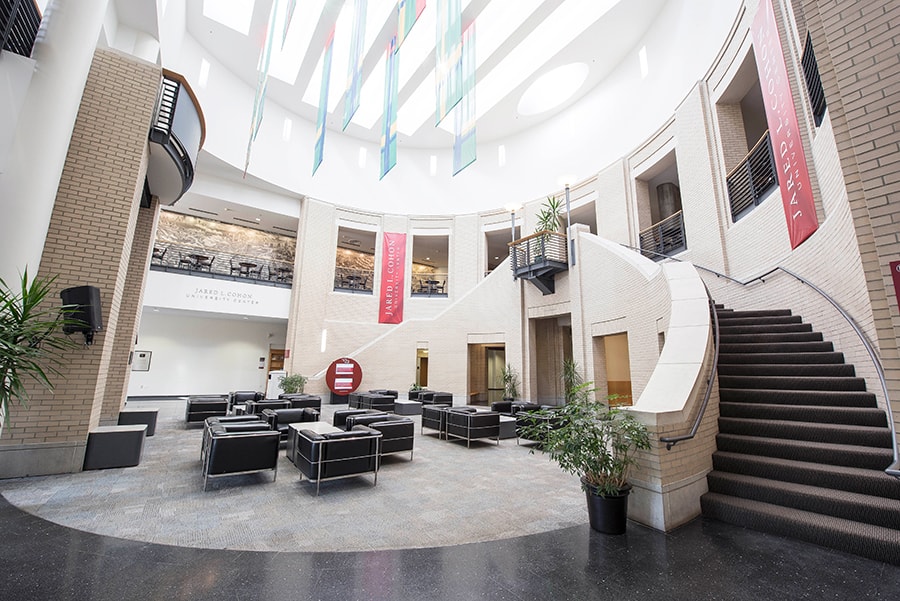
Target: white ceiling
x,y
516,42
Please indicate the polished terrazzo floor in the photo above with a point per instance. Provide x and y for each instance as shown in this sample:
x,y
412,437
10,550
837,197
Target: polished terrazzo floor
x,y
705,559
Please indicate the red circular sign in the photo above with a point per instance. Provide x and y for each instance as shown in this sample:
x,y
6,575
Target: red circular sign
x,y
343,376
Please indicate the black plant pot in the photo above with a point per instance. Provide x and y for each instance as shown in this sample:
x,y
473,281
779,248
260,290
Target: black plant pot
x,y
607,514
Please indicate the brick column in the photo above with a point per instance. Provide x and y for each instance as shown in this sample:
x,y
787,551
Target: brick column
x,y
89,241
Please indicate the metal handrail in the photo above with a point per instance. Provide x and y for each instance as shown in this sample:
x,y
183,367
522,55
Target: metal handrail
x,y
894,468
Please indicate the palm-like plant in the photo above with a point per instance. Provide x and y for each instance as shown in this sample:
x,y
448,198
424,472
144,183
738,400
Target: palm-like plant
x,y
510,382
31,339
549,219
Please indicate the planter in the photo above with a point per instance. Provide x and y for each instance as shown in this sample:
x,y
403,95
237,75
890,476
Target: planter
x,y
607,514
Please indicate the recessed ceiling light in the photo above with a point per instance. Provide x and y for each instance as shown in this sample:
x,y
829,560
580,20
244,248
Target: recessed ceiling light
x,y
552,88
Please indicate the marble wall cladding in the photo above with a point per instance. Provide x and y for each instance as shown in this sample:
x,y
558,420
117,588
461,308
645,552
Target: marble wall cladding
x,y
184,230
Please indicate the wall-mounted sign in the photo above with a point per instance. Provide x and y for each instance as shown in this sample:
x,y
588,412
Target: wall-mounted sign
x,y
343,376
141,361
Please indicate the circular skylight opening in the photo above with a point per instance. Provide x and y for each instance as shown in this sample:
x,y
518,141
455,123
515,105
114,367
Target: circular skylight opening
x,y
552,89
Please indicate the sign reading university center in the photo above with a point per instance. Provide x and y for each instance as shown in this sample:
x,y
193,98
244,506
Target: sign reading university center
x,y
393,264
790,160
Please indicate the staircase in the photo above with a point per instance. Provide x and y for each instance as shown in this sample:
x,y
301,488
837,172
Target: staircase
x,y
802,445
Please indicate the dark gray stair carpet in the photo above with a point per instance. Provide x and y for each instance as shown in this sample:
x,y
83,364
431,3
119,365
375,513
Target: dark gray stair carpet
x,y
838,370
857,416
867,540
851,479
802,445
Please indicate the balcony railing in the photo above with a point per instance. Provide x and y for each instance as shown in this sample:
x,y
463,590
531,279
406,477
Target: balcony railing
x,y
752,178
213,263
19,23
355,280
537,249
664,238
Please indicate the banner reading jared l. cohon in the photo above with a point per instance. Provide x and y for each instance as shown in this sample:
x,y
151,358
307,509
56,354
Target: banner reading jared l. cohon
x,y
393,265
790,160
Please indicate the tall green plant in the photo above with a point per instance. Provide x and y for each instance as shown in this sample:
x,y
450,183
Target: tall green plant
x,y
510,382
550,215
31,339
588,438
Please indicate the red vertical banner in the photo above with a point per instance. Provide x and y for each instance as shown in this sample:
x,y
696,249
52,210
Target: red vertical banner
x,y
787,148
393,266
895,275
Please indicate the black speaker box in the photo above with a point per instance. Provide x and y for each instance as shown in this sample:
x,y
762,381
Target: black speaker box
x,y
89,311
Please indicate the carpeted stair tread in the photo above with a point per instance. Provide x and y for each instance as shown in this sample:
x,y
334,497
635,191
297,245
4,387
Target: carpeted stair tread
x,y
758,314
838,370
875,542
793,382
778,347
780,357
839,398
880,511
864,457
866,436
769,338
731,320
775,328
859,416
851,479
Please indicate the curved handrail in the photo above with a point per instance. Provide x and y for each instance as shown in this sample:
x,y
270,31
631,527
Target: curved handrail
x,y
894,468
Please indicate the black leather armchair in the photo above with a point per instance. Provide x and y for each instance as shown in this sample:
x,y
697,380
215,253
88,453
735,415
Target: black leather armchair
x,y
231,423
435,417
299,400
397,435
470,425
199,407
339,419
337,454
390,393
252,407
279,419
231,452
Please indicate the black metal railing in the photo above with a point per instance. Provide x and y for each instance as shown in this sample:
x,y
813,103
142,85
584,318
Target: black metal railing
x,y
813,81
664,238
19,23
752,178
538,248
353,279
214,263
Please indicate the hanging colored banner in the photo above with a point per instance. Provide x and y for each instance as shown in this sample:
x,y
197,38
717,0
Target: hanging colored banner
x,y
464,142
354,72
409,12
448,57
389,117
262,78
288,17
784,130
319,151
393,266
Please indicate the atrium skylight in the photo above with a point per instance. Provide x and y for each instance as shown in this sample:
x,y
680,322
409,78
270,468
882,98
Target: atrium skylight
x,y
234,14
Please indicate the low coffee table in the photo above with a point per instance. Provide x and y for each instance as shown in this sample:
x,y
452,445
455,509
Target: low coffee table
x,y
404,407
317,427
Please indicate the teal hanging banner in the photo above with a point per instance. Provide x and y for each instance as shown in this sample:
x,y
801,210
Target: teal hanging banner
x,y
354,73
322,114
409,12
389,119
262,79
464,126
448,57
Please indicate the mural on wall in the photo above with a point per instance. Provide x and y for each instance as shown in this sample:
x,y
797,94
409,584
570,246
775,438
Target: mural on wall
x,y
185,230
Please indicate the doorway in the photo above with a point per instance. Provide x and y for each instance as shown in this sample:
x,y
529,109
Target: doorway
x,y
613,365
422,367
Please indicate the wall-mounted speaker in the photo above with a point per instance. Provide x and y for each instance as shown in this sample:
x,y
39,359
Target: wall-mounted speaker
x,y
87,298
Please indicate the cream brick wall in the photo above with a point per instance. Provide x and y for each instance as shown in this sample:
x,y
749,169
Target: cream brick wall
x,y
89,242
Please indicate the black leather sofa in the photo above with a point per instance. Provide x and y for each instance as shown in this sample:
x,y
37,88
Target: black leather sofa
x,y
469,424
335,455
513,407
416,395
239,397
280,419
231,450
370,400
199,407
390,393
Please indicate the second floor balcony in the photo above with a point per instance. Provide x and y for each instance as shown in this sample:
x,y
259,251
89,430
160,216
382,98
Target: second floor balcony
x,y
664,238
216,264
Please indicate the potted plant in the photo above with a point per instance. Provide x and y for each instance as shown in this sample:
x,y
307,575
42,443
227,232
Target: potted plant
x,y
548,220
598,443
31,340
292,383
510,383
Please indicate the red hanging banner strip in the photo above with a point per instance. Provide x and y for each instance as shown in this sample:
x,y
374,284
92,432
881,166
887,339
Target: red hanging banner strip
x,y
787,148
393,266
